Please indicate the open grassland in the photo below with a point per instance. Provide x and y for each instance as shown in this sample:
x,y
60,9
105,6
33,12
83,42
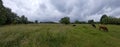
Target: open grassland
x,y
58,35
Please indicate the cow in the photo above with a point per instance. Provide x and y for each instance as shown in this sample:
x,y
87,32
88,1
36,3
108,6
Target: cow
x,y
74,25
103,27
93,25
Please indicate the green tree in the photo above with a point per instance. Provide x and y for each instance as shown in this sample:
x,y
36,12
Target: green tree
x,y
17,20
65,20
77,22
10,16
24,20
36,21
90,21
104,16
2,13
2,19
6,15
111,20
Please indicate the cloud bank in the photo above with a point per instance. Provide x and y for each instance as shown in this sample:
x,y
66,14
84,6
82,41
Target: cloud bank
x,y
53,10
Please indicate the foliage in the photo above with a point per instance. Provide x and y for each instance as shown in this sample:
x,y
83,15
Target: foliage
x,y
65,20
103,16
8,17
24,19
36,21
77,22
2,13
90,21
110,20
49,22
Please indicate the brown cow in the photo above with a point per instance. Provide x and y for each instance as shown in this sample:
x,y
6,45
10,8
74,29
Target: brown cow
x,y
103,27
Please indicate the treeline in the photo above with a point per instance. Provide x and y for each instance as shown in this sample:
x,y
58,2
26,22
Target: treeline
x,y
103,20
109,20
8,17
66,20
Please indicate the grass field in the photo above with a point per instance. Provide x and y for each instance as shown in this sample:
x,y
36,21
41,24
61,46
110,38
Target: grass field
x,y
58,35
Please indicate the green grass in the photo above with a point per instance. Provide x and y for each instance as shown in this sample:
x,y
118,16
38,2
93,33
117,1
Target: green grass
x,y
58,35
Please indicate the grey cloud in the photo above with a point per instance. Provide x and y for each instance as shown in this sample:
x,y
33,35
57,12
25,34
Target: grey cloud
x,y
53,10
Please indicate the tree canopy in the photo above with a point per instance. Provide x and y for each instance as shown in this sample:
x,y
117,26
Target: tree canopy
x,y
109,20
8,17
65,20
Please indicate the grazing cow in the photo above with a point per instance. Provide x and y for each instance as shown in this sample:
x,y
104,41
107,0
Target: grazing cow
x,y
103,27
74,25
93,25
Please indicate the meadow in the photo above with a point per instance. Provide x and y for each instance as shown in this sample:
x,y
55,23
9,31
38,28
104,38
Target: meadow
x,y
58,35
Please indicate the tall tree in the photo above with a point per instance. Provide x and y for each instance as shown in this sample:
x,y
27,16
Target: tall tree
x,y
6,15
110,20
2,13
90,21
104,16
77,22
65,20
24,20
36,21
10,16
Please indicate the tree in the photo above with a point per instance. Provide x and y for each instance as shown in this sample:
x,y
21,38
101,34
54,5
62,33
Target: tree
x,y
10,16
36,21
2,13
65,20
17,20
24,20
104,16
77,22
2,19
6,15
90,21
111,20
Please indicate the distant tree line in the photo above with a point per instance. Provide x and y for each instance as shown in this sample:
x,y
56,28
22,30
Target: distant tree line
x,y
103,20
79,22
66,20
8,17
106,20
109,20
49,22
91,21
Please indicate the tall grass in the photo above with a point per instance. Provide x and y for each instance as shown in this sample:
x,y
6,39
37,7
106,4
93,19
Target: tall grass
x,y
58,35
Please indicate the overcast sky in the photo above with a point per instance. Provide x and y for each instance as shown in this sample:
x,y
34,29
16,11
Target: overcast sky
x,y
53,10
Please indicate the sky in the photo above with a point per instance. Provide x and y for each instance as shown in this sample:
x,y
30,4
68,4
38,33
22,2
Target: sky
x,y
54,10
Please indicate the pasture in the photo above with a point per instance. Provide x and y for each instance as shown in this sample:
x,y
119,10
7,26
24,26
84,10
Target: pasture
x,y
58,35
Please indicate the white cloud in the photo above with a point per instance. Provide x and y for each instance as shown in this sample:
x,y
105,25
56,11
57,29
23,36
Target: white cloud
x,y
53,10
